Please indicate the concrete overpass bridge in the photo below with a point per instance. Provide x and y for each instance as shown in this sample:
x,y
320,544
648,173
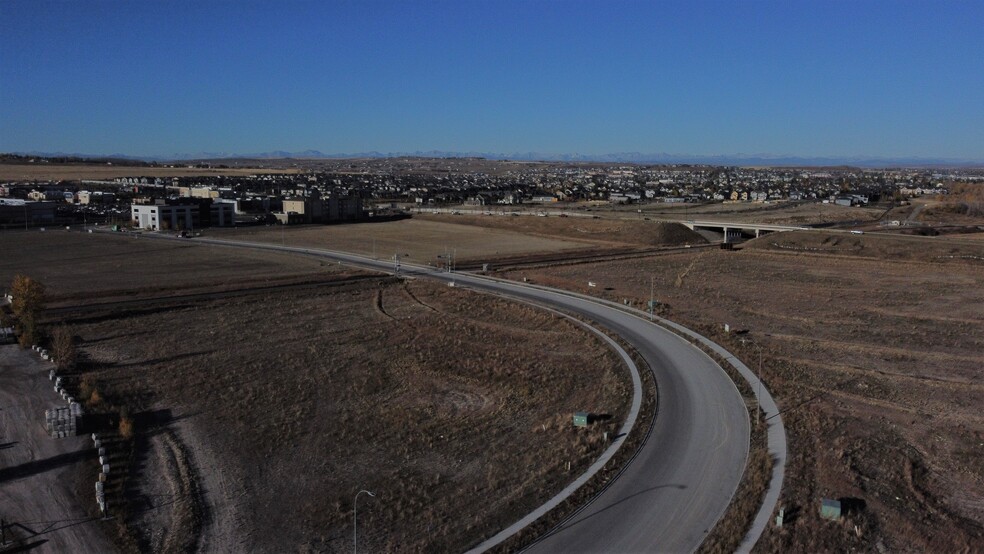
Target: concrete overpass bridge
x,y
732,230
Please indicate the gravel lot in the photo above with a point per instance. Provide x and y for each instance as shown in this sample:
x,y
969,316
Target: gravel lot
x,y
39,475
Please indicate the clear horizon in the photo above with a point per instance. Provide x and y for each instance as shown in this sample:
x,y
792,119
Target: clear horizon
x,y
801,79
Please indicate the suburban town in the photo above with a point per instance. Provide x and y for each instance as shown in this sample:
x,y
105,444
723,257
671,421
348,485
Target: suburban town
x,y
351,190
491,277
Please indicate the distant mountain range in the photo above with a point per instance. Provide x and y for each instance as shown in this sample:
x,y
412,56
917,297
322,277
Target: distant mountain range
x,y
618,157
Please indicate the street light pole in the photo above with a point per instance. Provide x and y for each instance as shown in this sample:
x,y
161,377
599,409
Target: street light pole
x,y
355,520
758,391
652,281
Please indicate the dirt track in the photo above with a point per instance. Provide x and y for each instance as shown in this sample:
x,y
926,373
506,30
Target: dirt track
x,y
38,474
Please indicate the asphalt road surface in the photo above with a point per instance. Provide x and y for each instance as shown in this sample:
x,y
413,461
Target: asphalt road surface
x,y
684,477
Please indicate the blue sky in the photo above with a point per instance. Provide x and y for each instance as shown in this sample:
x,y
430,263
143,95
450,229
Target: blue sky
x,y
823,78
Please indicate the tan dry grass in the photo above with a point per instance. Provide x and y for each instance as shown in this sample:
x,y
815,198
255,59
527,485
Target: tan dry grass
x,y
454,408
423,240
595,232
868,356
80,266
73,172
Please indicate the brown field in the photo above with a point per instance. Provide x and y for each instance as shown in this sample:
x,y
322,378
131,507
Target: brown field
x,y
73,172
81,268
259,416
871,344
777,213
875,246
875,355
599,233
422,239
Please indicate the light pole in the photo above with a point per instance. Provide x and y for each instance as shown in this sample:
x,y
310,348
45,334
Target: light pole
x,y
652,285
758,389
355,520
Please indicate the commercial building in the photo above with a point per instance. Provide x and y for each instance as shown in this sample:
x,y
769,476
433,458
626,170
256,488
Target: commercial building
x,y
344,209
15,212
86,197
183,215
313,209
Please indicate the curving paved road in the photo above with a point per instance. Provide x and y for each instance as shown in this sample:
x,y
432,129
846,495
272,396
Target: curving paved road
x,y
683,478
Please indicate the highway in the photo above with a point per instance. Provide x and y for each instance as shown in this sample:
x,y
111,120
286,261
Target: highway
x,y
683,478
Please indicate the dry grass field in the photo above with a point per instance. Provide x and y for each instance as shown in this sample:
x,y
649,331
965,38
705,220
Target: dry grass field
x,y
259,415
871,344
777,213
453,408
874,348
74,172
422,239
81,268
598,233
874,246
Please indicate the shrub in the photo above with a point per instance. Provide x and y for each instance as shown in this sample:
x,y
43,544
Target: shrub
x,y
126,427
27,303
28,297
87,385
28,332
63,348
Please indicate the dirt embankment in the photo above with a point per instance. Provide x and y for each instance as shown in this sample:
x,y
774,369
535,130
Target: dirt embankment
x,y
601,232
876,246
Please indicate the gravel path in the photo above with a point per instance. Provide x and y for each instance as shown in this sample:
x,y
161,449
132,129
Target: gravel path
x,y
38,474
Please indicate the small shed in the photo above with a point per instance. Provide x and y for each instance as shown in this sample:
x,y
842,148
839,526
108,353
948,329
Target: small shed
x,y
830,509
580,419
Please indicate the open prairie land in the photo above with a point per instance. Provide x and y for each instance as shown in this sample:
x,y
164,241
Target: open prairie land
x,y
74,172
260,413
423,240
599,233
874,348
777,213
871,344
82,268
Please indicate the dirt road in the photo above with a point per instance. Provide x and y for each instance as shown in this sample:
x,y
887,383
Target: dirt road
x,y
38,499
